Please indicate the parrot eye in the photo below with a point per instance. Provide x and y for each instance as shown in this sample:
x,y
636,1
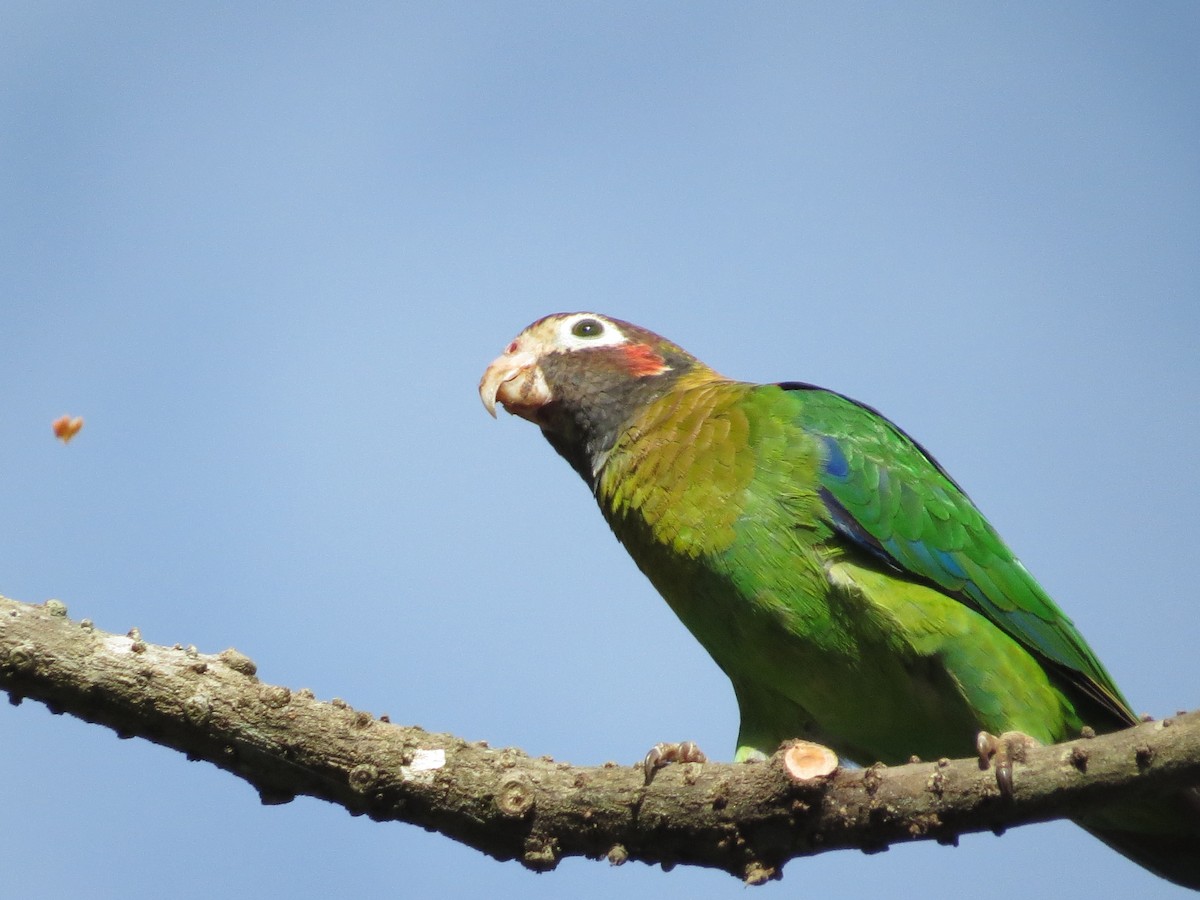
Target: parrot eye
x,y
587,328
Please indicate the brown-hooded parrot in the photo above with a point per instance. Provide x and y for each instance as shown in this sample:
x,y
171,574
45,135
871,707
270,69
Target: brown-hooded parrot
x,y
845,583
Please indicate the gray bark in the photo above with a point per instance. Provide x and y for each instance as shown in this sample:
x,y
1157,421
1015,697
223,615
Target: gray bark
x,y
745,819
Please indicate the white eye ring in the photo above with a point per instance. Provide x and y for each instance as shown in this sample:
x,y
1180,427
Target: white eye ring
x,y
597,331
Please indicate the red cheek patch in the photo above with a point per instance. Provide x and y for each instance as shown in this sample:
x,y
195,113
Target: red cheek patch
x,y
643,360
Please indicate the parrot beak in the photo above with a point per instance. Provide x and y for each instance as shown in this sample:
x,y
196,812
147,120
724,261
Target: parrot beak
x,y
516,381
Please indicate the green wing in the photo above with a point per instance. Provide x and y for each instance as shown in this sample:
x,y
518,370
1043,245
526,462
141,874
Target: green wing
x,y
889,498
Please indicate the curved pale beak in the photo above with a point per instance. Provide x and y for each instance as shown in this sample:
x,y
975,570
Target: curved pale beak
x,y
516,381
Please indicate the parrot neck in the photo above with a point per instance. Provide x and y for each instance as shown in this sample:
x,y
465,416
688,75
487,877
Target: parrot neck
x,y
584,430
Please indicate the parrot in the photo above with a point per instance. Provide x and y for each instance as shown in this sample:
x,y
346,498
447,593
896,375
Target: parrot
x,y
837,574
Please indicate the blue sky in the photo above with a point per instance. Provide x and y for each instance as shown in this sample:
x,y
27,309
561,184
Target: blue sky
x,y
267,251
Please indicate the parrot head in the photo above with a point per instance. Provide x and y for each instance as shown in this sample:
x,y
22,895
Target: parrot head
x,y
572,357
581,377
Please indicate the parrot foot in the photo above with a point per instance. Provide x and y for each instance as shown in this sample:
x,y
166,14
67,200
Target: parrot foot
x,y
661,755
1004,750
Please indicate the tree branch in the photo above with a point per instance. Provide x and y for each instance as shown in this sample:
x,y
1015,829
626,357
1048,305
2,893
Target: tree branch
x,y
744,819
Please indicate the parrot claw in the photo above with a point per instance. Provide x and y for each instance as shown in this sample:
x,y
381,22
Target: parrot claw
x,y
1004,750
661,755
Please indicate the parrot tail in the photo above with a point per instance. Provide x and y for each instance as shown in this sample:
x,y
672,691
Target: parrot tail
x,y
1160,834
